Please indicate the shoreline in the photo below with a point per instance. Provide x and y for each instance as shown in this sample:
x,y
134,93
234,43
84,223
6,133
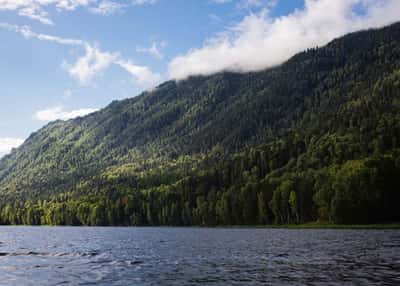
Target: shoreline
x,y
305,226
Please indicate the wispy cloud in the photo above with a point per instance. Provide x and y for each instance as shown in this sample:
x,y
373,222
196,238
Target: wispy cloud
x,y
154,50
214,18
39,9
27,32
6,144
141,74
248,4
93,62
143,2
58,113
259,41
96,61
107,7
89,65
221,1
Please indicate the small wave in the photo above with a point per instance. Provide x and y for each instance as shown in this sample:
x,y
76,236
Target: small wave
x,y
134,262
30,253
89,253
60,254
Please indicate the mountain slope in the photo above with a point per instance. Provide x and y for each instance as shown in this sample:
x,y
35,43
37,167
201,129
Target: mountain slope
x,y
321,110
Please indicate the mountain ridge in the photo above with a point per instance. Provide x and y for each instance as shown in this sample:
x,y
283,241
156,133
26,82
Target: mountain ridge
x,y
184,129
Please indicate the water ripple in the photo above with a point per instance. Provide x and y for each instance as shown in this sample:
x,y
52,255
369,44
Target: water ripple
x,y
176,256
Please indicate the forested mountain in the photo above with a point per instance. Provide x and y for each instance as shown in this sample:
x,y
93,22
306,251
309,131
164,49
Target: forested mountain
x,y
316,138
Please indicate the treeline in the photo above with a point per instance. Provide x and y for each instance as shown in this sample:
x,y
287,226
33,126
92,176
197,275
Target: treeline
x,y
357,191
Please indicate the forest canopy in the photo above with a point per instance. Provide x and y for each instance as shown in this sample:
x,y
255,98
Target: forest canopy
x,y
315,139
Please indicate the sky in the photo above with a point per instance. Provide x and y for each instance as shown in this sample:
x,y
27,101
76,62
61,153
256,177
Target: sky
x,y
60,59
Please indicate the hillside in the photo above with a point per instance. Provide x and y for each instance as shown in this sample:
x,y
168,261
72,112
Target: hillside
x,y
316,138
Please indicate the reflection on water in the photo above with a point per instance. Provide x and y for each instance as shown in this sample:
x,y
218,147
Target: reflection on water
x,y
197,256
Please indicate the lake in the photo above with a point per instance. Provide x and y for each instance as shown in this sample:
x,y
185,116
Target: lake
x,y
197,256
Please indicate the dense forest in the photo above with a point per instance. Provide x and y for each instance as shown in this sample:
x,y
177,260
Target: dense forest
x,y
314,139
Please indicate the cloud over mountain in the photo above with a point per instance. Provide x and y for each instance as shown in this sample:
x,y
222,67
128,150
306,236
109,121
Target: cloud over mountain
x,y
58,112
260,41
6,144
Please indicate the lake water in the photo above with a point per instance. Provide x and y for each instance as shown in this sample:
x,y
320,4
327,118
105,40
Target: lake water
x,y
197,256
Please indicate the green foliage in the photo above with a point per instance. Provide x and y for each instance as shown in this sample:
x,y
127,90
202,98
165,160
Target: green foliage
x,y
316,138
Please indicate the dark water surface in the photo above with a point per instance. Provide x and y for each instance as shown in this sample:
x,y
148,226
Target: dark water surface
x,y
197,256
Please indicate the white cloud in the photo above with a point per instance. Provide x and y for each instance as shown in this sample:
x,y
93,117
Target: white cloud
x,y
58,113
141,74
36,14
29,34
6,144
38,9
250,3
221,1
93,62
96,61
259,41
143,2
242,4
67,4
107,7
154,50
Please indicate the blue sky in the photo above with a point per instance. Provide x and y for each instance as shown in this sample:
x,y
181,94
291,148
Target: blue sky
x,y
63,58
